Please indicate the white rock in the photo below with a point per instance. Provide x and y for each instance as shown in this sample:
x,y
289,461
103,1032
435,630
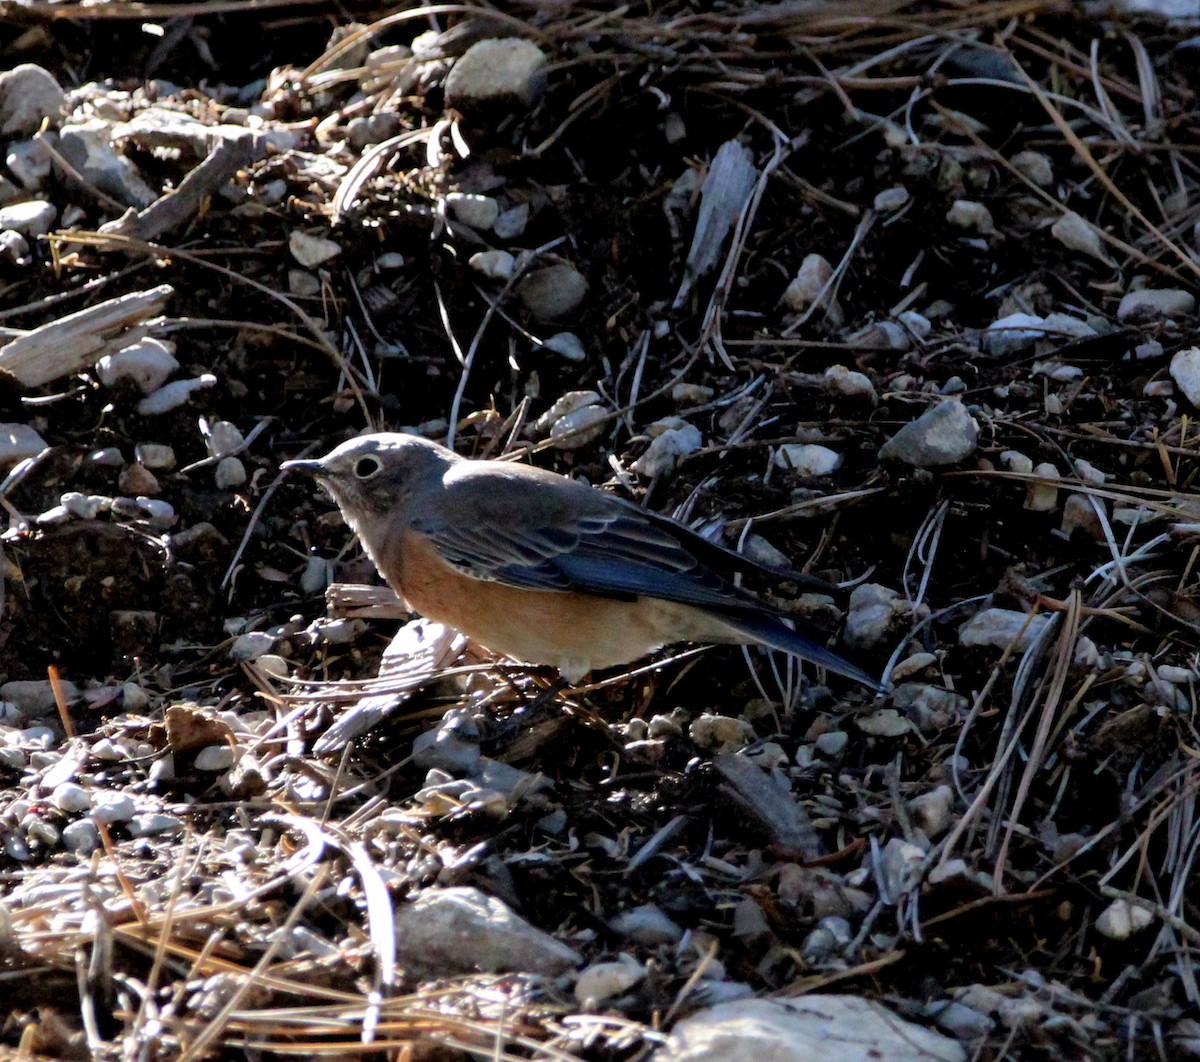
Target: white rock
x,y
28,95
81,837
230,473
830,1028
173,395
311,251
17,442
495,265
1063,324
943,435
221,437
109,806
1121,919
832,743
82,506
891,199
147,364
155,456
1042,497
972,216
807,286
553,292
477,211
688,394
1088,472
302,283
70,798
214,758
931,810
1015,461
666,449
511,223
155,824
1036,166
872,611
917,323
1150,304
603,980
1079,514
1077,234
500,69
156,512
998,628
566,345
317,575
31,218
445,932
35,697
1012,334
1185,371
252,645
849,383
646,924
884,722
29,162
808,459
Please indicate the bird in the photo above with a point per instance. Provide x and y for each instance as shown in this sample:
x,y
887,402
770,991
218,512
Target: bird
x,y
542,568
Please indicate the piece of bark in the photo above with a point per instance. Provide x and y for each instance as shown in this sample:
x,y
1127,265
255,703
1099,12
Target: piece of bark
x,y
76,342
752,789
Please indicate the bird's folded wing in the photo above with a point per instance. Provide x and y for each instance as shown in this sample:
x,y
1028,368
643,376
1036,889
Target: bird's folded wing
x,y
609,551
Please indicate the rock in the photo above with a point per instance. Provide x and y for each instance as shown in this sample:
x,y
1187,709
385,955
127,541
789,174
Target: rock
x,y
882,335
87,146
28,96
146,364
17,442
221,437
972,216
1036,166
110,806
1079,514
35,697
553,291
452,747
808,459
873,609
502,70
138,479
809,285
931,810
83,506
1042,497
29,162
943,435
998,628
32,218
1012,334
252,645
849,383
666,449
14,248
81,837
445,932
568,346
70,798
891,199
720,733
1151,304
1121,919
832,742
511,223
646,924
477,211
230,473
1185,371
155,456
884,722
213,758
1076,234
303,284
173,395
831,1028
156,824
575,420
311,251
495,265
603,980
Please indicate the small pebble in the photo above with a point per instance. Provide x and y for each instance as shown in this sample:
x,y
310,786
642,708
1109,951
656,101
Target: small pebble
x,y
603,980
849,383
31,218
499,70
566,345
945,434
81,837
495,265
1077,234
972,216
230,473
1036,166
832,743
173,395
311,251
1121,919
477,211
252,645
154,456
809,285
70,798
1150,304
146,364
109,806
553,292
214,758
156,824
807,459
891,199
511,223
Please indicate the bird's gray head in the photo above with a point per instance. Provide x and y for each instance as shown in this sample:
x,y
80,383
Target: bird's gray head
x,y
372,478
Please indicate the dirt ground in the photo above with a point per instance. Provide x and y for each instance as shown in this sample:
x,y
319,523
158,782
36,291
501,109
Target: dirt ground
x,y
1003,847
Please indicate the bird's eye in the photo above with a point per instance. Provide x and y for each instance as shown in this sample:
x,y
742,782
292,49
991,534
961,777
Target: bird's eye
x,y
366,467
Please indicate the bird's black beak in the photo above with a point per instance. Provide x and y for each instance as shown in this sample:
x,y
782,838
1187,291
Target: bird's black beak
x,y
313,467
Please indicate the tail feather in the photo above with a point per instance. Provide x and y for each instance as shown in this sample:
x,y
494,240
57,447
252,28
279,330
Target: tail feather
x,y
769,631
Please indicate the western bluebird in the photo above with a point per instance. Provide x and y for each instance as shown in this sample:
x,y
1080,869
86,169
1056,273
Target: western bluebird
x,y
542,568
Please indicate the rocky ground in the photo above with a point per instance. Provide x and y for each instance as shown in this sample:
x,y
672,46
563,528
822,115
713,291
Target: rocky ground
x,y
897,295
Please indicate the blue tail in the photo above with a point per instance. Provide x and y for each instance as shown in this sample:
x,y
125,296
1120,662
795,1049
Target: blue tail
x,y
772,632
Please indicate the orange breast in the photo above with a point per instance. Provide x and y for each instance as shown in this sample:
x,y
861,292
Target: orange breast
x,y
573,632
